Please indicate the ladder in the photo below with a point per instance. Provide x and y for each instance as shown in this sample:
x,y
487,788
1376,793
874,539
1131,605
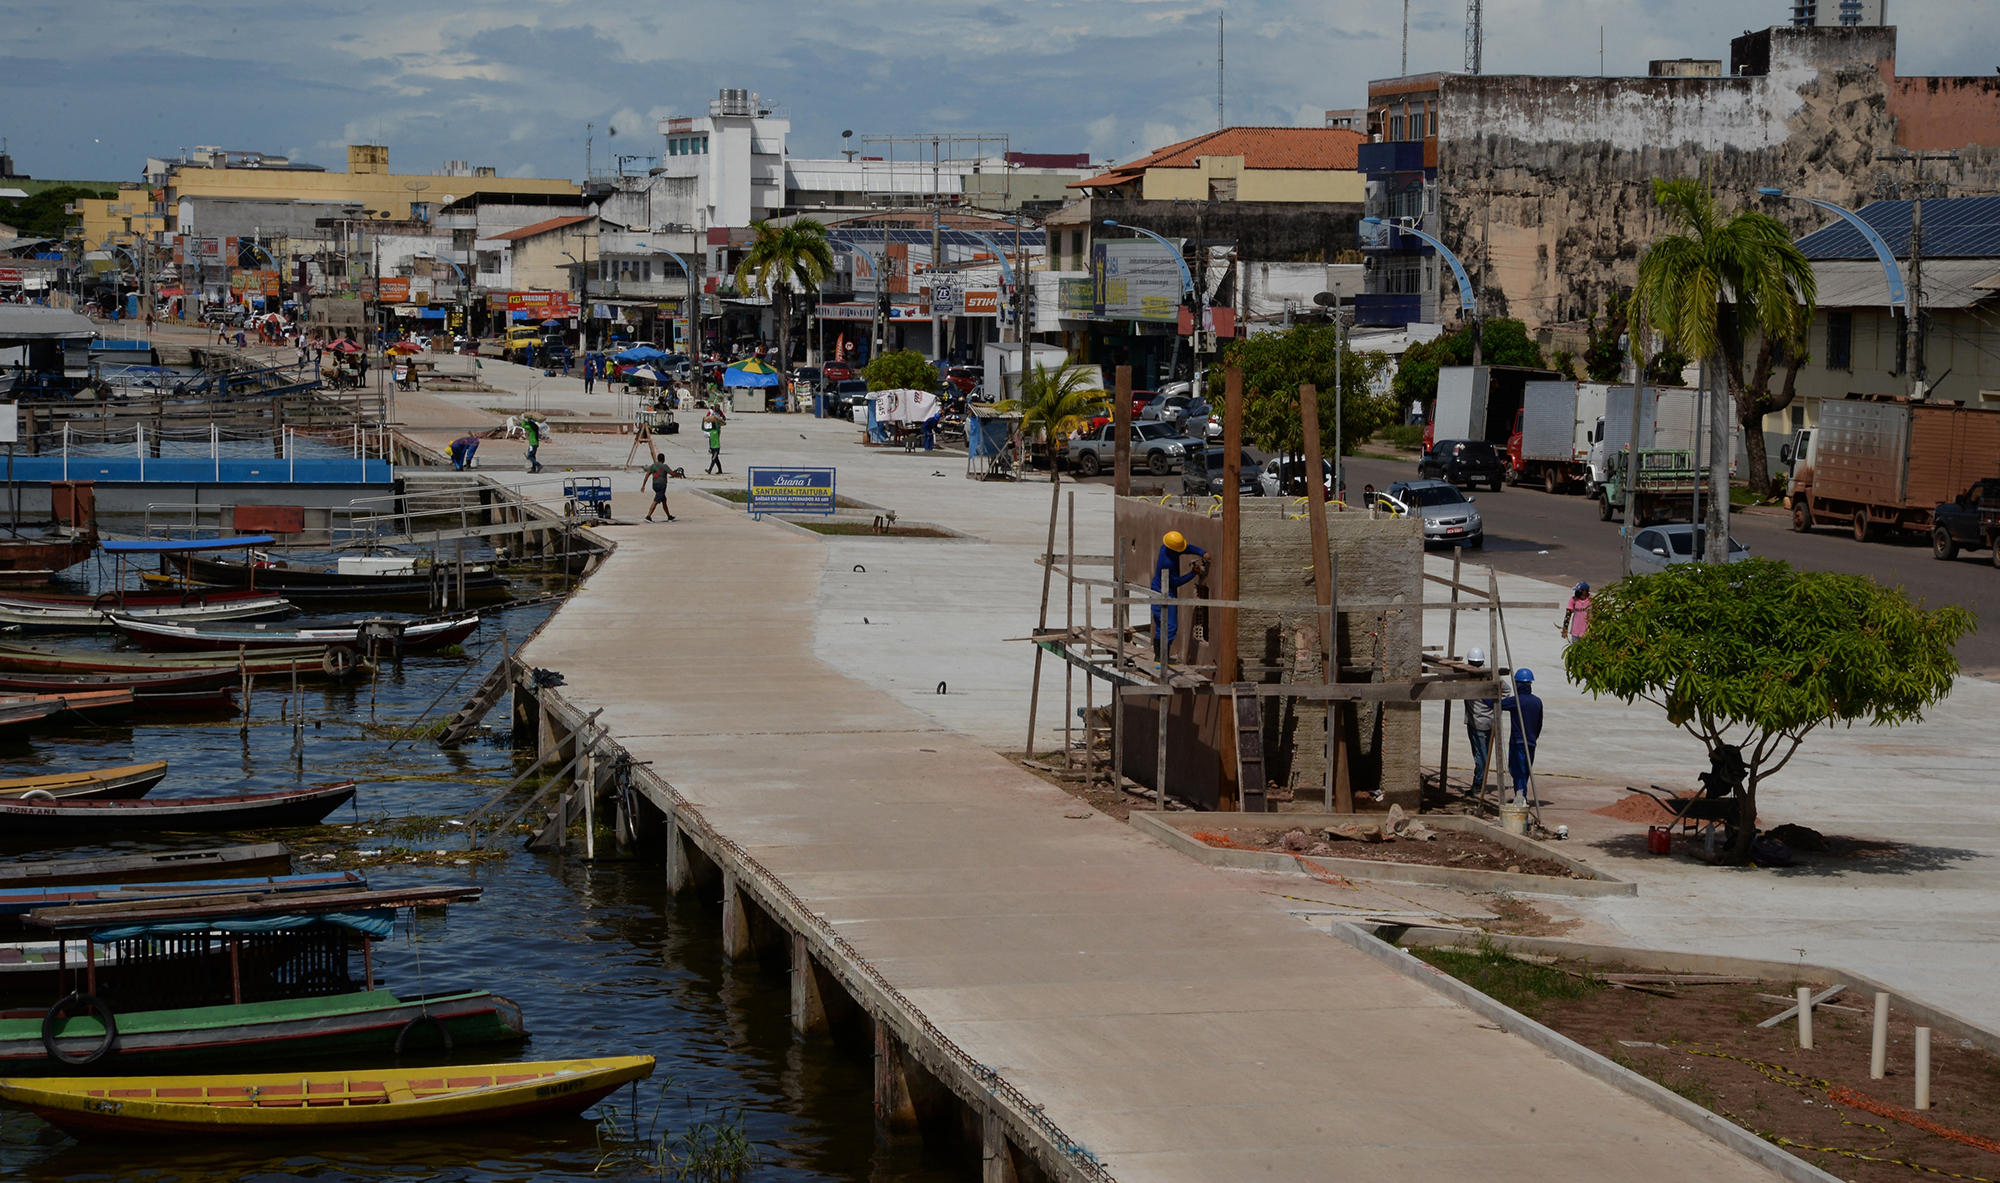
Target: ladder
x,y
1249,748
461,725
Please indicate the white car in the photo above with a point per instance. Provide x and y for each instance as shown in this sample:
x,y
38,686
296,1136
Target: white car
x,y
1659,547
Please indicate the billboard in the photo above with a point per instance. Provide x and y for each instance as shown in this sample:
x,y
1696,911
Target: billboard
x,y
540,305
981,304
791,490
1136,280
393,289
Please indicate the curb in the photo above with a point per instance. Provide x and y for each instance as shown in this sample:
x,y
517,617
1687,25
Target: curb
x,y
1597,886
1722,1130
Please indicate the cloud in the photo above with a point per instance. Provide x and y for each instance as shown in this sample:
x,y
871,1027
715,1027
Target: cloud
x,y
515,85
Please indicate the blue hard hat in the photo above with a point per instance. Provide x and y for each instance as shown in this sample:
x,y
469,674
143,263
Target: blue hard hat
x,y
1582,589
1524,675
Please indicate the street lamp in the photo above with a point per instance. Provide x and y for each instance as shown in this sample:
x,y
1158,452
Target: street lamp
x,y
1899,296
1187,289
694,297
1468,300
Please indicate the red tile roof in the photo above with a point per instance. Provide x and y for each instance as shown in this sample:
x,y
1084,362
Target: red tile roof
x,y
543,227
1316,148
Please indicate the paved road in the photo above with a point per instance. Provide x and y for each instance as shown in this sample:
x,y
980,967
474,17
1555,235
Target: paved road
x,y
1559,538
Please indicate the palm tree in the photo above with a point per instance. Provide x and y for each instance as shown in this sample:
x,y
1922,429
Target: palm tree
x,y
1055,404
1708,290
779,259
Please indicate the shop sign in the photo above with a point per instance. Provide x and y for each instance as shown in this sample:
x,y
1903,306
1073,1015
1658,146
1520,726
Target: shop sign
x,y
791,490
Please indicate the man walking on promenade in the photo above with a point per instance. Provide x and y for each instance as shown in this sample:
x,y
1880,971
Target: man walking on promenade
x,y
713,422
589,376
659,472
532,427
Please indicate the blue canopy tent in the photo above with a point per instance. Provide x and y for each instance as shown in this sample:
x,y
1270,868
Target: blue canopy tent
x,y
751,373
639,353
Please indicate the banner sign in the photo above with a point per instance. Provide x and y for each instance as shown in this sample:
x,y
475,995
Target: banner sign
x,y
982,303
1137,280
539,305
791,490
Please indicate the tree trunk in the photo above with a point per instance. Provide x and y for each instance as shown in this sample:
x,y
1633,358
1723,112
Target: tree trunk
x,y
1738,853
781,301
1719,455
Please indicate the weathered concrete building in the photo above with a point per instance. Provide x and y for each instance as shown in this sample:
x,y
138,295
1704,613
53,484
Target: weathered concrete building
x,y
1543,185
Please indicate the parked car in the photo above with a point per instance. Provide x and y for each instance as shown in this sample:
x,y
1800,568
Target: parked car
x,y
1464,462
1167,408
1285,476
849,394
1971,522
1200,480
807,379
1156,445
1447,513
838,371
1659,547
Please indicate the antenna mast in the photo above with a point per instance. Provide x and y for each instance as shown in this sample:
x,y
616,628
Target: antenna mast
x,y
1473,37
1218,71
1406,40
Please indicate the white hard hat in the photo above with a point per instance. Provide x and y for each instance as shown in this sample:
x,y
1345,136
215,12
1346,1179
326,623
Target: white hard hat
x,y
1476,657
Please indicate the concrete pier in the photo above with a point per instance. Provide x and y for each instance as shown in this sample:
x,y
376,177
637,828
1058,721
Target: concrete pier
x,y
1033,978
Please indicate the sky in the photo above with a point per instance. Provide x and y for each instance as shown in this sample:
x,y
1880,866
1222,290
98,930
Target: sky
x,y
88,91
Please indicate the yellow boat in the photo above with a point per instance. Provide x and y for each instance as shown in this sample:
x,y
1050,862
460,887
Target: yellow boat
x,y
278,1104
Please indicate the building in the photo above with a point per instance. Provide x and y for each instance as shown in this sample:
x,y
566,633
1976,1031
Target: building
x,y
1806,13
1544,185
1857,345
382,194
1233,197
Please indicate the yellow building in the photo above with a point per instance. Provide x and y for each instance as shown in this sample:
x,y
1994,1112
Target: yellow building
x,y
367,181
125,220
1254,164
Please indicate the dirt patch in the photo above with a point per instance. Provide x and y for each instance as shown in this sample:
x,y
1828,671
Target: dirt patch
x,y
1703,1042
1639,808
1445,848
868,530
1519,918
1101,795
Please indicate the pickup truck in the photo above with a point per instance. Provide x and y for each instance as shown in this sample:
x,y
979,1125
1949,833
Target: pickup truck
x,y
1665,489
1159,446
1969,522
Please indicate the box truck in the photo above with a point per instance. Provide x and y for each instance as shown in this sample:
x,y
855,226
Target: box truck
x,y
1479,402
1886,463
1553,434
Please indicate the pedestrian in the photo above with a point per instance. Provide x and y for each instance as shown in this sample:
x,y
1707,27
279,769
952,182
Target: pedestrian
x,y
1368,501
712,422
659,472
1576,614
1478,726
1167,578
589,376
462,451
1524,712
242,342
532,428
149,322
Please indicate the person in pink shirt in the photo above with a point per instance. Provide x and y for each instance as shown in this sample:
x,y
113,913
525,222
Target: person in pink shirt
x,y
1576,614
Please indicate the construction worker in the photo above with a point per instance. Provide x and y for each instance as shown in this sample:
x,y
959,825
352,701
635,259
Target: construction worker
x,y
1478,726
1524,712
1167,578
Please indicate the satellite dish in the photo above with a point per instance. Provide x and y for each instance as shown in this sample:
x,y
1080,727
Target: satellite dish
x,y
447,199
1326,299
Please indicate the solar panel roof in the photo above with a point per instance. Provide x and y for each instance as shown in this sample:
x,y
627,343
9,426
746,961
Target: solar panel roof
x,y
872,236
1954,228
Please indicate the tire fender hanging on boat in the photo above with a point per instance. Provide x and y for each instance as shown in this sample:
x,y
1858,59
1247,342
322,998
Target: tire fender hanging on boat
x,y
404,1034
59,1013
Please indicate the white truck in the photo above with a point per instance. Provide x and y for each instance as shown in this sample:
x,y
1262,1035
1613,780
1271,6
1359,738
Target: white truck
x,y
1554,432
1666,423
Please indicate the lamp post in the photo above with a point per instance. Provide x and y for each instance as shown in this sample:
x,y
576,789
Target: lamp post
x,y
1468,300
1899,296
694,306
1187,289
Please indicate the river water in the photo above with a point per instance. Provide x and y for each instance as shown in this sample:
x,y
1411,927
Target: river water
x,y
601,959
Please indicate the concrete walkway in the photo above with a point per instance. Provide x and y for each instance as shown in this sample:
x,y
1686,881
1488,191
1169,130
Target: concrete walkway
x,y
1169,1019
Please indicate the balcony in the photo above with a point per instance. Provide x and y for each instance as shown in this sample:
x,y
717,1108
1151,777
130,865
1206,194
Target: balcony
x,y
1384,310
1400,156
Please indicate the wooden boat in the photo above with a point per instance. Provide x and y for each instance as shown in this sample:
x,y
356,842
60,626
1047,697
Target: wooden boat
x,y
171,703
17,901
36,659
56,617
166,866
417,636
140,682
124,782
141,598
239,811
319,586
335,1102
34,560
353,1024
22,712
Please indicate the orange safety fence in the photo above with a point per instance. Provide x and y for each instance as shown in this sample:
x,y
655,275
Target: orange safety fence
x,y
1840,1094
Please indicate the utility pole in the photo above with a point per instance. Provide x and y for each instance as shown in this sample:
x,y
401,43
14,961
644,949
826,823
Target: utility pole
x,y
1406,40
1914,275
1474,37
1218,72
937,258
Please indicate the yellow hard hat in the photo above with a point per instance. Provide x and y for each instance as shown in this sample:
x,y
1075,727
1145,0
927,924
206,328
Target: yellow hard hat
x,y
1174,542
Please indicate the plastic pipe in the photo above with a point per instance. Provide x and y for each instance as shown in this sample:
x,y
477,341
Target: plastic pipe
x,y
1805,1017
1878,1054
1923,1042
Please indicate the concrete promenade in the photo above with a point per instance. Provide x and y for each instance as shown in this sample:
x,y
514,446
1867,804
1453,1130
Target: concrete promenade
x,y
1168,1017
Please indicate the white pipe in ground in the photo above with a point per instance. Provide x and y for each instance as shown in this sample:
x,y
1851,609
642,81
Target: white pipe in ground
x,y
1805,1017
1878,1055
1923,1041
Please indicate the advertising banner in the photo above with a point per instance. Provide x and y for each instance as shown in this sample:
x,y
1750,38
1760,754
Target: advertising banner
x,y
1136,280
394,289
981,304
791,490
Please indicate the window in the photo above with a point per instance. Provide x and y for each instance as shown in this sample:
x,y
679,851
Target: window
x,y
704,145
1840,341
489,262
1222,189
461,240
1396,127
1431,117
649,271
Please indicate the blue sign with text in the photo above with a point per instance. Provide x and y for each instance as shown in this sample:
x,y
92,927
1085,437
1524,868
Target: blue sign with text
x,y
791,490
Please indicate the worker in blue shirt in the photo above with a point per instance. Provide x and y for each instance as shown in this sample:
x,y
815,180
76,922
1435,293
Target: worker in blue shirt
x,y
1167,578
1523,711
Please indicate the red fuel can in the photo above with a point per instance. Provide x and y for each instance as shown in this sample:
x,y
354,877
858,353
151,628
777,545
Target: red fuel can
x,y
1659,839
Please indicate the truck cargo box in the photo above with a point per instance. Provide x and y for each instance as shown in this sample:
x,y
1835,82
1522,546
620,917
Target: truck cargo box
x,y
1479,402
1558,417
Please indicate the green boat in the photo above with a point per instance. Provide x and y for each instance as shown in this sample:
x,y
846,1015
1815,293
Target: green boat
x,y
357,1024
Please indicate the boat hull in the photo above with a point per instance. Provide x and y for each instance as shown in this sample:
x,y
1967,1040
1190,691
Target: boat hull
x,y
33,616
361,1023
184,639
187,815
127,782
167,866
33,659
323,588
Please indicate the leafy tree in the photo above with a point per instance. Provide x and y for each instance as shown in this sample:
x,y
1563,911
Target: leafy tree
x,y
1758,655
1565,363
1502,343
1604,358
779,259
1056,404
1668,368
41,215
1713,287
901,369
1276,364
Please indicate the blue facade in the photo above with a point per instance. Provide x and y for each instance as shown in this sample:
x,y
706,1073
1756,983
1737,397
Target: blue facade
x,y
1399,186
203,470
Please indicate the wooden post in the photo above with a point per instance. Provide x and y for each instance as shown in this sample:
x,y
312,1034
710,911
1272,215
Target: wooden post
x,y
735,920
1048,572
367,963
1160,763
235,972
1322,555
680,876
1450,650
1121,422
1228,581
1069,634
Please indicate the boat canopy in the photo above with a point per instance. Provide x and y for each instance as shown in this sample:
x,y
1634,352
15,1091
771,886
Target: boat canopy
x,y
377,923
156,546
